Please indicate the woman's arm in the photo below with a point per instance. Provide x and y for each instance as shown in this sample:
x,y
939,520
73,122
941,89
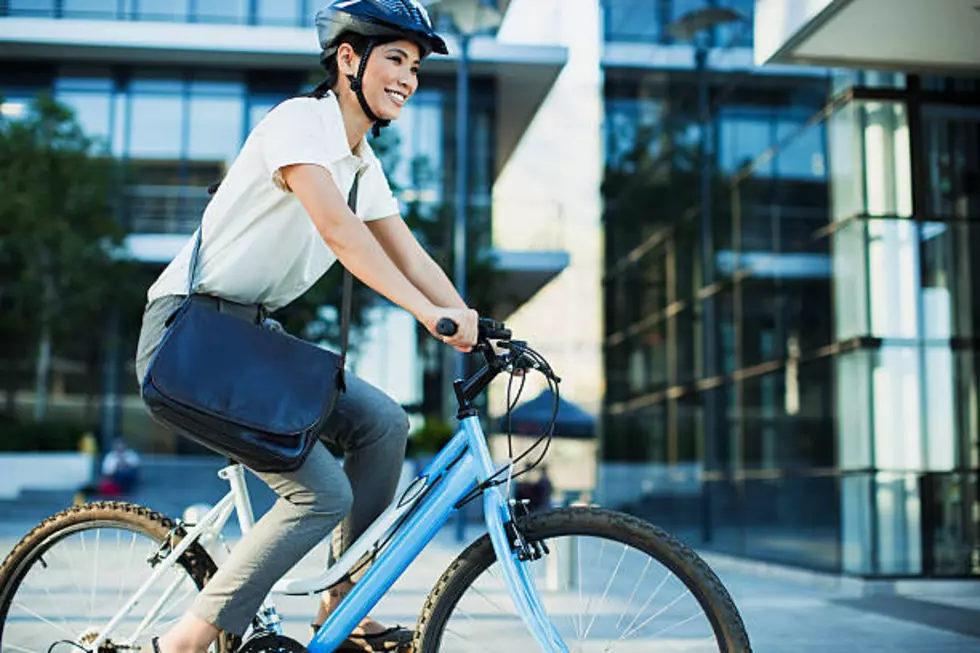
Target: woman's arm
x,y
410,257
360,252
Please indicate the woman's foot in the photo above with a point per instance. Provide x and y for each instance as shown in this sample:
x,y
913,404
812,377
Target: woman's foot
x,y
369,635
190,635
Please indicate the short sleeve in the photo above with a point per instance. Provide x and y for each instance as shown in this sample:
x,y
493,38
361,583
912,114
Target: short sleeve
x,y
292,133
374,197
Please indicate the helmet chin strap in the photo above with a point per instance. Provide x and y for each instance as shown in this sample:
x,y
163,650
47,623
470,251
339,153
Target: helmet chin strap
x,y
357,85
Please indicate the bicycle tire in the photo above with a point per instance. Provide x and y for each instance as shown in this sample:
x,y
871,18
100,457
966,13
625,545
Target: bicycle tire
x,y
195,561
718,606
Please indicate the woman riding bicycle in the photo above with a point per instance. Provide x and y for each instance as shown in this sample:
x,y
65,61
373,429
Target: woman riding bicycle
x,y
278,221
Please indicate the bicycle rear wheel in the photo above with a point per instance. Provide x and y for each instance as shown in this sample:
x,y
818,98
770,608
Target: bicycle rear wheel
x,y
610,582
69,576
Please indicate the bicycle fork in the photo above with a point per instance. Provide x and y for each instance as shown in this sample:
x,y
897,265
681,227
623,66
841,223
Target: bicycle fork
x,y
517,577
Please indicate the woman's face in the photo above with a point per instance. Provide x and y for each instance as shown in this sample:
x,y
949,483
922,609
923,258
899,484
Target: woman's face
x,y
391,77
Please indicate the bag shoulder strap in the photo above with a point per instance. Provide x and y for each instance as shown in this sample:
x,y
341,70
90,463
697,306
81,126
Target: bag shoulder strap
x,y
345,310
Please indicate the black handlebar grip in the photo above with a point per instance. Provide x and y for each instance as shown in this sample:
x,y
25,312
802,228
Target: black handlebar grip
x,y
446,327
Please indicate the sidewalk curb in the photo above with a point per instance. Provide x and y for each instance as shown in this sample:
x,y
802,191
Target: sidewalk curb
x,y
846,586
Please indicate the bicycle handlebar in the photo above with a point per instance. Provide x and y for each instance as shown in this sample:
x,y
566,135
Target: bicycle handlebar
x,y
489,329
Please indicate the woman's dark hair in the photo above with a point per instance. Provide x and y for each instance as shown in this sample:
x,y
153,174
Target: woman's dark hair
x,y
359,43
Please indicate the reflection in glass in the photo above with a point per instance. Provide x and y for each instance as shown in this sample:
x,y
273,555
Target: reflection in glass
x,y
856,524
279,12
852,380
940,409
92,111
156,127
30,7
98,9
850,261
632,20
899,524
802,156
952,148
896,386
420,150
216,128
887,164
164,10
893,278
938,276
222,11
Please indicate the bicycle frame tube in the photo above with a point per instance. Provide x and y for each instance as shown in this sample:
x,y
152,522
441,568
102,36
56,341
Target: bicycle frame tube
x,y
455,481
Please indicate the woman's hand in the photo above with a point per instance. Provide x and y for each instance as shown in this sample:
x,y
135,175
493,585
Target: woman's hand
x,y
466,320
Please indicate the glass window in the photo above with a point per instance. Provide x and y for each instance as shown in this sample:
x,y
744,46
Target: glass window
x,y
156,126
98,9
279,12
216,128
163,10
887,165
952,150
93,112
420,149
744,136
893,278
941,410
852,374
896,379
850,261
222,11
30,7
802,155
633,20
846,163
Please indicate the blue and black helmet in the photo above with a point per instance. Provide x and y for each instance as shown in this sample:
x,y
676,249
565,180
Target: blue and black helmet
x,y
377,20
381,18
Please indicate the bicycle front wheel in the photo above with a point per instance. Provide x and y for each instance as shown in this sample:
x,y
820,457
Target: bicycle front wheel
x,y
68,577
609,582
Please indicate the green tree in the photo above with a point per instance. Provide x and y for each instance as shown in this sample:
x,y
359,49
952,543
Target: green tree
x,y
59,242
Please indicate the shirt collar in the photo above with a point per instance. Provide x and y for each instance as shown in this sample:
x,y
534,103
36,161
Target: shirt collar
x,y
334,119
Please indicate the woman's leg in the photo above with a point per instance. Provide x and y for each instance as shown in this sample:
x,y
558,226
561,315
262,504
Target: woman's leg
x,y
312,501
372,429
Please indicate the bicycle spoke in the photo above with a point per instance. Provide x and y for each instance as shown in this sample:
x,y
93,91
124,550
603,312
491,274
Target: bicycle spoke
x,y
605,592
656,614
650,600
626,610
578,627
95,572
484,646
34,614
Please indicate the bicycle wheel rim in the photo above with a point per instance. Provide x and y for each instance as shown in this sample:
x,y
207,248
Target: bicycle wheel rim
x,y
30,616
681,581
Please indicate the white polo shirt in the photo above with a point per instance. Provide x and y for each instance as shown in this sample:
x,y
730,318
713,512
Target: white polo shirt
x,y
259,244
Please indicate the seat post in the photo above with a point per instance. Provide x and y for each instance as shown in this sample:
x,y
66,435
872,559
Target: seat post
x,y
234,473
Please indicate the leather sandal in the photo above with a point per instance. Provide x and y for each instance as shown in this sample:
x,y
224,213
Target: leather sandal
x,y
390,639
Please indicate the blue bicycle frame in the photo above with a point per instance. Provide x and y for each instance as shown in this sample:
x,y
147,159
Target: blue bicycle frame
x,y
453,473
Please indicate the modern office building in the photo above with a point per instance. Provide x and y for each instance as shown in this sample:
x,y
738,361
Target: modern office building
x,y
174,87
795,381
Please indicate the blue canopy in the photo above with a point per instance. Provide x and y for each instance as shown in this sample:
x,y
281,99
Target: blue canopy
x,y
532,417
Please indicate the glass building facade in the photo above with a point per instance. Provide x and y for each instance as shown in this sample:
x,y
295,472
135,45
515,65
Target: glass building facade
x,y
796,382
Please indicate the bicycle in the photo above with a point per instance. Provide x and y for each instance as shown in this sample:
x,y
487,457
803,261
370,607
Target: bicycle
x,y
519,553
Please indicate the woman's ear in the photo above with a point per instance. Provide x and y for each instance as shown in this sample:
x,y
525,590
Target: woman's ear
x,y
347,60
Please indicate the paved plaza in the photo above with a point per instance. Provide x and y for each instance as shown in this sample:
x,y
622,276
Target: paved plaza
x,y
785,610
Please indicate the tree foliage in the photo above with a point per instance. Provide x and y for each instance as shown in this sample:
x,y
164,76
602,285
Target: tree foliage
x,y
59,239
